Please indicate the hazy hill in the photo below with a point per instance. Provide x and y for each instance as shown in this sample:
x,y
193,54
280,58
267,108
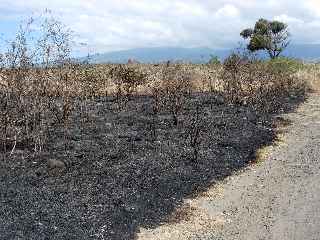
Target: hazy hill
x,y
306,51
161,54
195,55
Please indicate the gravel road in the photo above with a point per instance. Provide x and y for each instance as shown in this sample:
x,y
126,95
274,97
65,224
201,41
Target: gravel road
x,y
278,198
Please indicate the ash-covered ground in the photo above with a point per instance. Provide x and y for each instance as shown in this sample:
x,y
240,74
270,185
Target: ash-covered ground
x,y
118,170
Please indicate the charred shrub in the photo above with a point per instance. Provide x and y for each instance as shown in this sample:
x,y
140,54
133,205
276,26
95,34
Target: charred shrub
x,y
195,131
264,85
174,90
127,79
232,79
31,70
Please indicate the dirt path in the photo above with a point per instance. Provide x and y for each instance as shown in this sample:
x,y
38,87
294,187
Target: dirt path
x,y
278,198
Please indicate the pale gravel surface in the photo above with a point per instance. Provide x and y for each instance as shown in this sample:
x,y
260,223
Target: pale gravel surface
x,y
278,198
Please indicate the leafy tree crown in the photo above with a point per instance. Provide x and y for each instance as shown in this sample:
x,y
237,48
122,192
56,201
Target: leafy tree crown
x,y
270,36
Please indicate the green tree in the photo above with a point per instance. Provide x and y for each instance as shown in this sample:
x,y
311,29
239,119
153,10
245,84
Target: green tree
x,y
214,60
270,36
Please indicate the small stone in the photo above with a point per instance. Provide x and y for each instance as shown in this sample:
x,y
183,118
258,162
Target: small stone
x,y
109,136
18,152
131,136
56,164
39,172
220,100
132,208
251,117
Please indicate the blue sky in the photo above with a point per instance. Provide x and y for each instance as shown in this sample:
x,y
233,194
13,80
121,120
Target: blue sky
x,y
107,25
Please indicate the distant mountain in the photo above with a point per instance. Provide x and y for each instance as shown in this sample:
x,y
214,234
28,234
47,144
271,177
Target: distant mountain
x,y
194,55
309,52
161,54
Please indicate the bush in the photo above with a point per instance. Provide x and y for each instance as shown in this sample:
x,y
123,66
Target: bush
x,y
214,60
31,95
127,79
261,84
285,65
175,87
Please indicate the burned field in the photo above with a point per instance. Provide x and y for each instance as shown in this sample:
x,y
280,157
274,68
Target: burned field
x,y
116,169
98,151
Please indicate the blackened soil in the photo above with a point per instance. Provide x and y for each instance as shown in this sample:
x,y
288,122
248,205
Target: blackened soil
x,y
125,168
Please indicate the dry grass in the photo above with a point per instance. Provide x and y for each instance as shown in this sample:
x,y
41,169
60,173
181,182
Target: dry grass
x,y
311,74
264,85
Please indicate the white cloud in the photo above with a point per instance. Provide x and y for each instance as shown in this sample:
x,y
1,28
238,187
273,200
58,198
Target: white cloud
x,y
313,6
228,11
288,19
108,25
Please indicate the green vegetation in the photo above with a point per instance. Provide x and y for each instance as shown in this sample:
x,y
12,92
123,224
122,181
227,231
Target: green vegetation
x,y
284,64
270,36
214,60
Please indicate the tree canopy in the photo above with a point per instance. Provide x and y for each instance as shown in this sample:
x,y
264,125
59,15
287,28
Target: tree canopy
x,y
271,36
